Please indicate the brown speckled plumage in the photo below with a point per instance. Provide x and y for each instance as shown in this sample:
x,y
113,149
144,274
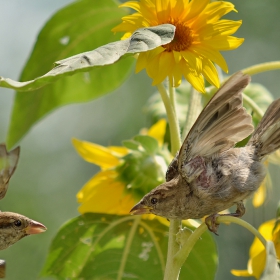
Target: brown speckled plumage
x,y
209,174
14,227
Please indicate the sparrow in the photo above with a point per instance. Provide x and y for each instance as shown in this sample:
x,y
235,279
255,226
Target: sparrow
x,y
14,227
8,164
209,174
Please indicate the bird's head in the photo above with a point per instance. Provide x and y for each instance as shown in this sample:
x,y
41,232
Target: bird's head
x,y
161,201
14,226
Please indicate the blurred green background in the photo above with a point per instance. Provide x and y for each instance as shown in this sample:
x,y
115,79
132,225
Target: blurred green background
x,y
50,173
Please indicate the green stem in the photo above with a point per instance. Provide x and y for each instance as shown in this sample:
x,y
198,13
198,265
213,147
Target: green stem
x,y
194,110
170,107
251,103
262,67
230,219
172,120
171,271
182,255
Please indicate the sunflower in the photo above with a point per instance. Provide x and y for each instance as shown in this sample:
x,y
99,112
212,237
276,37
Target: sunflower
x,y
119,185
200,36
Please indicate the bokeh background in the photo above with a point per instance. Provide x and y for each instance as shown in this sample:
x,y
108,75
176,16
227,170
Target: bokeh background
x,y
50,173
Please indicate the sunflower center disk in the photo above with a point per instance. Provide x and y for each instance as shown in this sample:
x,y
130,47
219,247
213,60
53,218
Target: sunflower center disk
x,y
182,39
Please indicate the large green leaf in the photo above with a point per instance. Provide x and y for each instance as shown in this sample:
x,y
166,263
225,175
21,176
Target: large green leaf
x,y
99,246
79,27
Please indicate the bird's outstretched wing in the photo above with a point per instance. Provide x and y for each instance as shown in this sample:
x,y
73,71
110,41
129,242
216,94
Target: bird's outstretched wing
x,y
221,124
8,164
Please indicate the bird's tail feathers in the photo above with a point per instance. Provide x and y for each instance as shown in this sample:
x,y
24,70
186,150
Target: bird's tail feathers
x,y
266,137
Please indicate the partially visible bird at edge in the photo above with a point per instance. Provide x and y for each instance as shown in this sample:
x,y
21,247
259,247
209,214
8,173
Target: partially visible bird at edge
x,y
13,226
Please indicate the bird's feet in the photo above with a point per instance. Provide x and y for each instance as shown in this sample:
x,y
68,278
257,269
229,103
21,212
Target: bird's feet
x,y
211,221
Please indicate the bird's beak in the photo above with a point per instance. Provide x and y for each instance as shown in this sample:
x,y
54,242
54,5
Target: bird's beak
x,y
35,227
140,209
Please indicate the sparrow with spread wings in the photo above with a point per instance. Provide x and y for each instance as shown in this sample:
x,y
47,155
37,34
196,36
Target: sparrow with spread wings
x,y
209,174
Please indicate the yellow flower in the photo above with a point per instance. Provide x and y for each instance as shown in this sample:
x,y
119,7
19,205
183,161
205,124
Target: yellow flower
x,y
119,185
256,263
265,188
260,195
200,36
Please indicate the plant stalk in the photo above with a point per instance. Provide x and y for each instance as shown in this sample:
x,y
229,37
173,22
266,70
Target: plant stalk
x,y
172,119
184,252
170,107
262,67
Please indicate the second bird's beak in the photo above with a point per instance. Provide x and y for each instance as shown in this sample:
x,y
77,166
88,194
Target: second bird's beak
x,y
35,227
140,209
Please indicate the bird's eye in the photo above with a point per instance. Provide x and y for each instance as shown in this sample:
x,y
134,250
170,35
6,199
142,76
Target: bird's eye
x,y
17,223
154,200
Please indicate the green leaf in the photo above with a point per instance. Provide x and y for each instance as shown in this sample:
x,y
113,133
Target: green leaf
x,y
149,143
100,246
79,27
90,27
131,144
142,40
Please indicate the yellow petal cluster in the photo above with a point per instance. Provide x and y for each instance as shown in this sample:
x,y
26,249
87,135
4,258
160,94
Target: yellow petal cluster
x,y
200,36
104,192
256,263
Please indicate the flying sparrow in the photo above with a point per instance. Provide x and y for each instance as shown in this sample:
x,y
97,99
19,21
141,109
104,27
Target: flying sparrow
x,y
8,164
209,174
14,226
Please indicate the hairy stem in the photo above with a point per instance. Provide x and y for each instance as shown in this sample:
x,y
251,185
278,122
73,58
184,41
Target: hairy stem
x,y
262,67
251,103
182,255
172,271
170,107
172,119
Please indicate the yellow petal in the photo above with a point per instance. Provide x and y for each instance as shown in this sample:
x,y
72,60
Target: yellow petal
x,y
193,60
141,62
165,67
213,12
193,78
260,195
224,43
266,231
96,180
103,194
178,8
255,266
158,131
257,263
177,56
118,150
176,77
195,8
132,4
242,273
96,154
210,72
162,10
211,54
220,28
